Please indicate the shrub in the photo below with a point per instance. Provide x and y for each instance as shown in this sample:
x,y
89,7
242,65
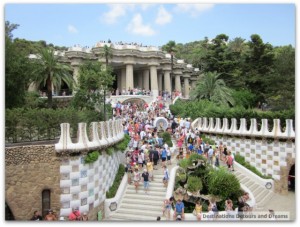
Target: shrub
x,y
223,184
91,157
183,163
167,138
194,184
114,188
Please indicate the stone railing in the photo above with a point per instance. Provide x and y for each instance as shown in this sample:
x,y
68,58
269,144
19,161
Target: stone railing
x,y
214,126
102,134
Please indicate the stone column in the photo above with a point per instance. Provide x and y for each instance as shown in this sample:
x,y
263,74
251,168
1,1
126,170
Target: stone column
x,y
129,76
160,82
154,84
119,81
177,82
186,87
123,79
167,81
193,83
76,74
146,79
140,80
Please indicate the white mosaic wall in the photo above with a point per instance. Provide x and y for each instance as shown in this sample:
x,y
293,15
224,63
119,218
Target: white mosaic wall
x,y
85,185
266,157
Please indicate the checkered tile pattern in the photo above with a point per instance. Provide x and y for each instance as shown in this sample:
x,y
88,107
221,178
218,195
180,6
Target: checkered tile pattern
x,y
266,155
85,185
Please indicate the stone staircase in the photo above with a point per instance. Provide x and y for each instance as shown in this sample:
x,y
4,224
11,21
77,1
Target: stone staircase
x,y
141,206
261,194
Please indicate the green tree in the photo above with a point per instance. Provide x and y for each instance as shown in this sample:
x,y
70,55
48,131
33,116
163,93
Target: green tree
x,y
17,70
107,53
50,71
93,80
213,89
170,47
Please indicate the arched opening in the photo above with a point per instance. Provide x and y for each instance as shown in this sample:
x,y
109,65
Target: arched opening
x,y
46,196
292,178
9,216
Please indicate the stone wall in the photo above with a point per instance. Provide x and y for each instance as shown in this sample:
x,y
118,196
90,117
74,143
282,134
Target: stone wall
x,y
28,171
31,169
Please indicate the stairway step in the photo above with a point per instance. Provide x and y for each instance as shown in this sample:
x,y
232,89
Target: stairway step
x,y
132,217
145,207
143,197
141,191
253,187
151,188
138,212
262,195
149,202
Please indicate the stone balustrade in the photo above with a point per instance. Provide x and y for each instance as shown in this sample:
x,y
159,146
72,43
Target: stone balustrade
x,y
215,126
102,134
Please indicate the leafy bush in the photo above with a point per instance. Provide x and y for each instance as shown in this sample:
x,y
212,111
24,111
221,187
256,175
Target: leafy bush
x,y
183,163
223,184
194,184
121,146
167,138
91,157
114,188
110,151
241,160
26,124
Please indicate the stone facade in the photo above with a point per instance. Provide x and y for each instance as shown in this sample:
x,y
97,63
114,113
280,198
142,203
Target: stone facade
x,y
28,171
31,169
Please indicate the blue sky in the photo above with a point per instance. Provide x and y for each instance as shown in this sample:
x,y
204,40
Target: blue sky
x,y
151,24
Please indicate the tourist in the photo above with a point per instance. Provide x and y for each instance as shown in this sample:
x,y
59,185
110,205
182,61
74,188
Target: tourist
x,y
167,207
149,166
75,215
229,161
179,209
36,216
166,176
136,178
50,216
198,210
145,177
84,217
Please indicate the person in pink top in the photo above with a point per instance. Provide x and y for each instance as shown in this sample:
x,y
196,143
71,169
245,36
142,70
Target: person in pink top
x,y
75,215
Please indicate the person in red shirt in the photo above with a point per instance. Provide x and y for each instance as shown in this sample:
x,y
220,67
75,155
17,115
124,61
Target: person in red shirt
x,y
75,215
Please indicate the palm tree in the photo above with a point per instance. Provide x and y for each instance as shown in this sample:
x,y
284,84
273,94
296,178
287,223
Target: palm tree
x,y
170,47
214,89
107,53
49,71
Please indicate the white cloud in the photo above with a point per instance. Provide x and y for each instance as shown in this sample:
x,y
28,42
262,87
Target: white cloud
x,y
116,11
72,29
193,9
163,16
137,27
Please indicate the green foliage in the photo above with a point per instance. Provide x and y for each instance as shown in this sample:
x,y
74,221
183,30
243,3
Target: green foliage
x,y
214,89
114,188
194,184
50,72
110,151
94,80
244,98
23,125
195,109
183,163
91,157
223,184
167,138
241,160
208,140
121,146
